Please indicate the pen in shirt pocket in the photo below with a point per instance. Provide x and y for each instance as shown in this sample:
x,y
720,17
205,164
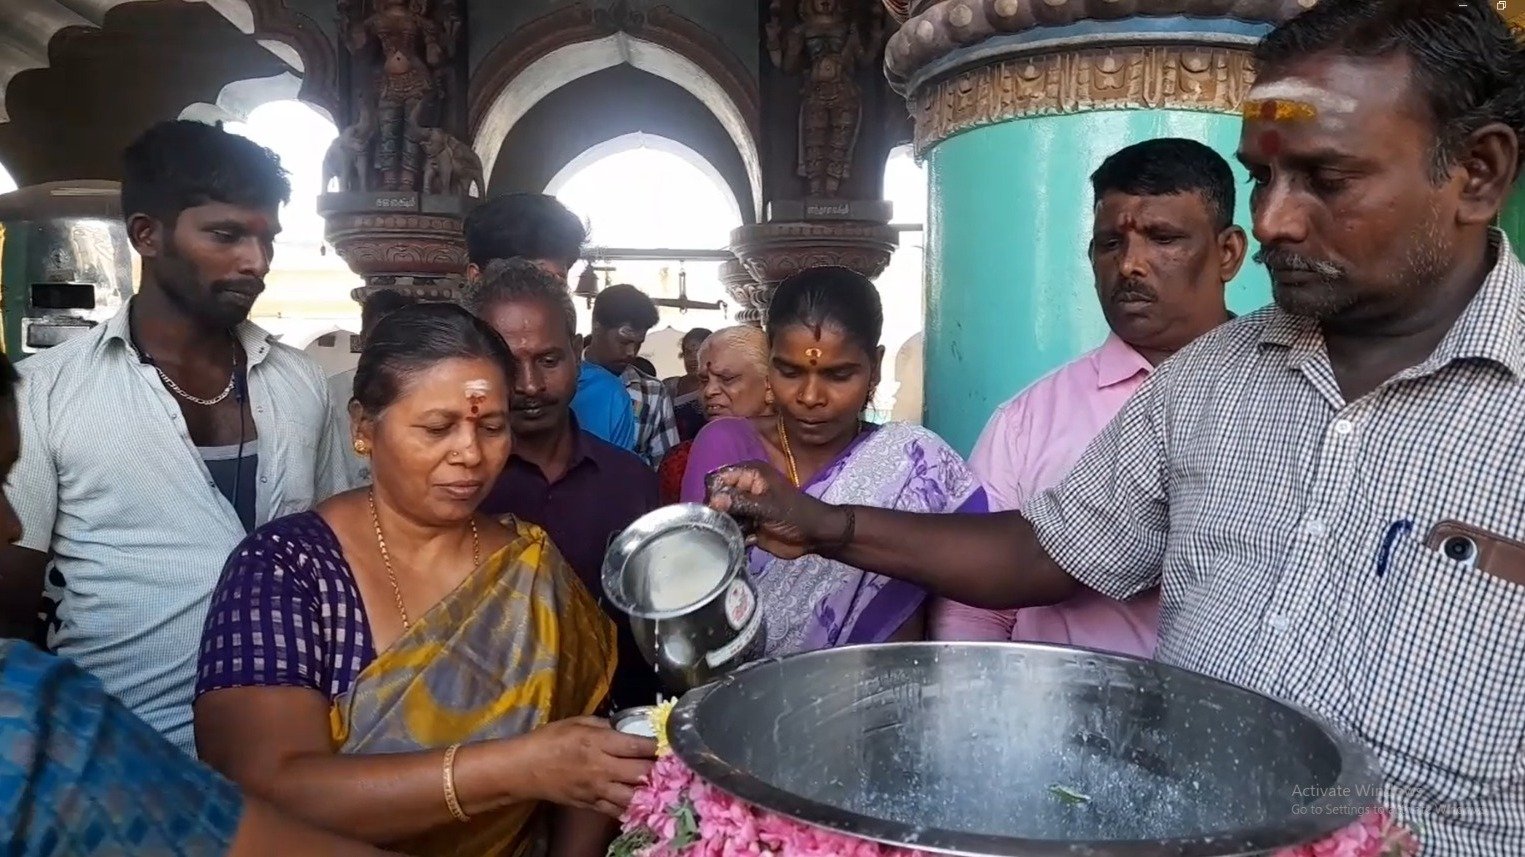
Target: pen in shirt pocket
x,y
1395,530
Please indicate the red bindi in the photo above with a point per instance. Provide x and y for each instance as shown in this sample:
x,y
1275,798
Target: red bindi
x,y
474,398
1270,143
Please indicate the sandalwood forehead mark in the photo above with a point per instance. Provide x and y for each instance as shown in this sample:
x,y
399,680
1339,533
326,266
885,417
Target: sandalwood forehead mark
x,y
813,355
1302,93
1278,110
476,392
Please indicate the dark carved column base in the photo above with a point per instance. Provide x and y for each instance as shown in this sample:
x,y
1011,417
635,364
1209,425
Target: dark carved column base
x,y
402,241
744,289
772,251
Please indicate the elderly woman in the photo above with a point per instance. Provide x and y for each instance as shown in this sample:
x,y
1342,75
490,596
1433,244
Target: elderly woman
x,y
398,668
823,335
732,368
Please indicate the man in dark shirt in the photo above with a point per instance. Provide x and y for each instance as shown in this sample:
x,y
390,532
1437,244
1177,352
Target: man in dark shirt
x,y
582,490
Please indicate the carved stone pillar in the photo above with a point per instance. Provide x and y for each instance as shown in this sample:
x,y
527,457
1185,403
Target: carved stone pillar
x,y
772,251
1015,104
829,123
744,290
400,178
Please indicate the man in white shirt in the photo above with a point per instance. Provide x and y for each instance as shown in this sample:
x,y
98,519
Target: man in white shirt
x,y
152,445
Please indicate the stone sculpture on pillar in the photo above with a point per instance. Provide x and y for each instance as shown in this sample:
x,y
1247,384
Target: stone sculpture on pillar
x,y
820,210
402,47
829,46
348,159
404,177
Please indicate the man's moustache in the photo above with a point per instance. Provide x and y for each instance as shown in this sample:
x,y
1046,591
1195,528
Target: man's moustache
x,y
1278,259
249,286
1134,290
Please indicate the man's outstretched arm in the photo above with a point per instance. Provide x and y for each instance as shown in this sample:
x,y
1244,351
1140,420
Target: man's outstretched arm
x,y
992,561
982,560
1106,526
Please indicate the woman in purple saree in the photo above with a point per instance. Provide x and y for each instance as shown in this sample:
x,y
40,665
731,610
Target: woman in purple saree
x,y
823,332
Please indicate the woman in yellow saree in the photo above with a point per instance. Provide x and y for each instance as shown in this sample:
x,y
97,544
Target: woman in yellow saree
x,y
397,668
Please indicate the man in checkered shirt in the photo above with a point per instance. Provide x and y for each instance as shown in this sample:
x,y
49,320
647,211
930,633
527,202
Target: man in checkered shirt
x,y
1328,490
622,316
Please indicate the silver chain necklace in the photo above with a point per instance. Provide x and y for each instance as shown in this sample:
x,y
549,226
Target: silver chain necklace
x,y
170,382
175,388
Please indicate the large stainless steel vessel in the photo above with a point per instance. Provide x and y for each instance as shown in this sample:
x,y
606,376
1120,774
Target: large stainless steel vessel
x,y
65,262
1030,750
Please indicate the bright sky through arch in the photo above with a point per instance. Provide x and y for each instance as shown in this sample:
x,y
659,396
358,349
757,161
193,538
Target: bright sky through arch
x,y
645,197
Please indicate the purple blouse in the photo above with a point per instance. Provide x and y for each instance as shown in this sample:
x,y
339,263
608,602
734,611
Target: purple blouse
x,y
813,602
286,613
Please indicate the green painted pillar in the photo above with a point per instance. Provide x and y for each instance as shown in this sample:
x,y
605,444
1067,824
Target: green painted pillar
x,y
1010,295
1011,124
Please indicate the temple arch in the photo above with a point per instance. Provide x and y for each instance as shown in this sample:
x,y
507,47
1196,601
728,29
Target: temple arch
x,y
627,142
241,98
570,62
670,251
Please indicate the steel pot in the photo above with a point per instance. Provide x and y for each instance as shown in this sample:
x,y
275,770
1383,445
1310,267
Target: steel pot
x,y
691,634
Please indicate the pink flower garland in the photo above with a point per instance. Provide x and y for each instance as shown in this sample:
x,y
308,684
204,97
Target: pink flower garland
x,y
677,814
726,827
1375,834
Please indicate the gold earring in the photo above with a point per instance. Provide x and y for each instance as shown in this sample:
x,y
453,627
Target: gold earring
x,y
361,448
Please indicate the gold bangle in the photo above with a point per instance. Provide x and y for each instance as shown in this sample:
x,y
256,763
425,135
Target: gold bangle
x,y
450,799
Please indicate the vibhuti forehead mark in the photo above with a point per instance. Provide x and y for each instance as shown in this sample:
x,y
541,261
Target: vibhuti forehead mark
x,y
476,393
1293,99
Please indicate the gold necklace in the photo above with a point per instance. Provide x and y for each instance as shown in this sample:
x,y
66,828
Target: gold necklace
x,y
386,558
783,441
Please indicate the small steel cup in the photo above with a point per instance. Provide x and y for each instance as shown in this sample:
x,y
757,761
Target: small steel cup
x,y
634,721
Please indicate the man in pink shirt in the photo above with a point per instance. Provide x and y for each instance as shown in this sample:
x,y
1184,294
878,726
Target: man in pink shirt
x,y
1163,245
